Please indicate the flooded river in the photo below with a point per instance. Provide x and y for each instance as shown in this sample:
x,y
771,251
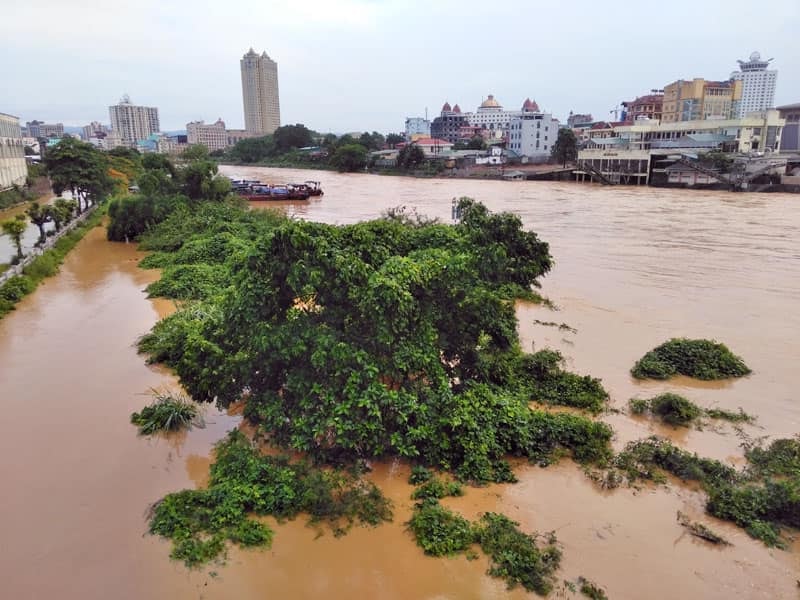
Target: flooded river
x,y
634,266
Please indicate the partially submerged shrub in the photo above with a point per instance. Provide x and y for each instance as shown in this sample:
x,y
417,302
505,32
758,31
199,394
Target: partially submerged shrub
x,y
436,488
701,531
419,474
516,556
439,531
244,482
168,412
781,457
677,410
546,382
591,589
670,408
702,359
648,458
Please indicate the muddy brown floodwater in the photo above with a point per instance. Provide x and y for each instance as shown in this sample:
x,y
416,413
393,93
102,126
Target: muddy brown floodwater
x,y
634,266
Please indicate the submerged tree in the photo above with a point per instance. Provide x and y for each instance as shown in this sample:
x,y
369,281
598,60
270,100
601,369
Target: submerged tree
x,y
15,229
39,216
566,147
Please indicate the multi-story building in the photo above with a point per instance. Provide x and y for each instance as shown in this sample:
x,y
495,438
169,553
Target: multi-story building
x,y
94,129
237,135
213,136
575,120
449,124
790,137
758,85
133,123
492,117
417,126
13,169
649,106
40,129
262,109
701,99
532,134
631,149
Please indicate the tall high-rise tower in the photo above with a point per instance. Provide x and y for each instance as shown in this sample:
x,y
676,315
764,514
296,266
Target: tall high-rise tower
x,y
758,84
262,109
131,122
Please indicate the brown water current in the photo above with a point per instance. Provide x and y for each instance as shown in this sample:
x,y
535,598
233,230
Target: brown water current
x,y
634,266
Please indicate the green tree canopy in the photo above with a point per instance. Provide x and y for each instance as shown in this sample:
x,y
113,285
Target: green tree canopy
x,y
410,156
252,150
15,229
289,137
350,157
39,216
395,138
566,147
80,168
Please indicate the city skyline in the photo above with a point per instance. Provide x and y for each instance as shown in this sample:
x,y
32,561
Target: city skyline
x,y
357,65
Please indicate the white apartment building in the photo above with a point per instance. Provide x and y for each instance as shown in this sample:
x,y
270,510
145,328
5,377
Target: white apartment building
x,y
417,126
492,117
532,133
758,84
262,110
133,123
213,136
93,129
13,169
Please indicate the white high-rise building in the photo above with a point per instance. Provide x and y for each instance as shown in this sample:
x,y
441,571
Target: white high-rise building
x,y
532,133
213,135
262,109
758,85
133,123
13,168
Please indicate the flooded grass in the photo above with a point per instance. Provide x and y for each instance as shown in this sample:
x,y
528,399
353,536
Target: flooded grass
x,y
170,411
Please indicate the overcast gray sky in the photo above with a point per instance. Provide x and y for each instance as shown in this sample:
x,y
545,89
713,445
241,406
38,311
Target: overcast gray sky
x,y
347,65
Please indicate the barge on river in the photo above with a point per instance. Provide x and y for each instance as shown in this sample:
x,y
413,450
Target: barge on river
x,y
255,190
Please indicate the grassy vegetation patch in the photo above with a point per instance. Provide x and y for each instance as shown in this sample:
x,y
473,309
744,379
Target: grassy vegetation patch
x,y
701,359
781,457
547,382
169,411
435,488
244,483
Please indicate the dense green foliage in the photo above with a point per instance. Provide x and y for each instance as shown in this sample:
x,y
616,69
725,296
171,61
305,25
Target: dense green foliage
x,y
165,189
386,337
435,488
670,408
244,483
781,458
516,556
46,265
168,412
80,168
677,410
566,147
349,158
648,458
702,359
439,531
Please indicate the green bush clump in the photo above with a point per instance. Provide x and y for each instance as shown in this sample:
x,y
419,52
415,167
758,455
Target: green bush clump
x,y
516,556
782,457
435,489
591,590
676,410
245,482
419,474
16,288
646,459
759,508
168,412
701,359
439,531
670,408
